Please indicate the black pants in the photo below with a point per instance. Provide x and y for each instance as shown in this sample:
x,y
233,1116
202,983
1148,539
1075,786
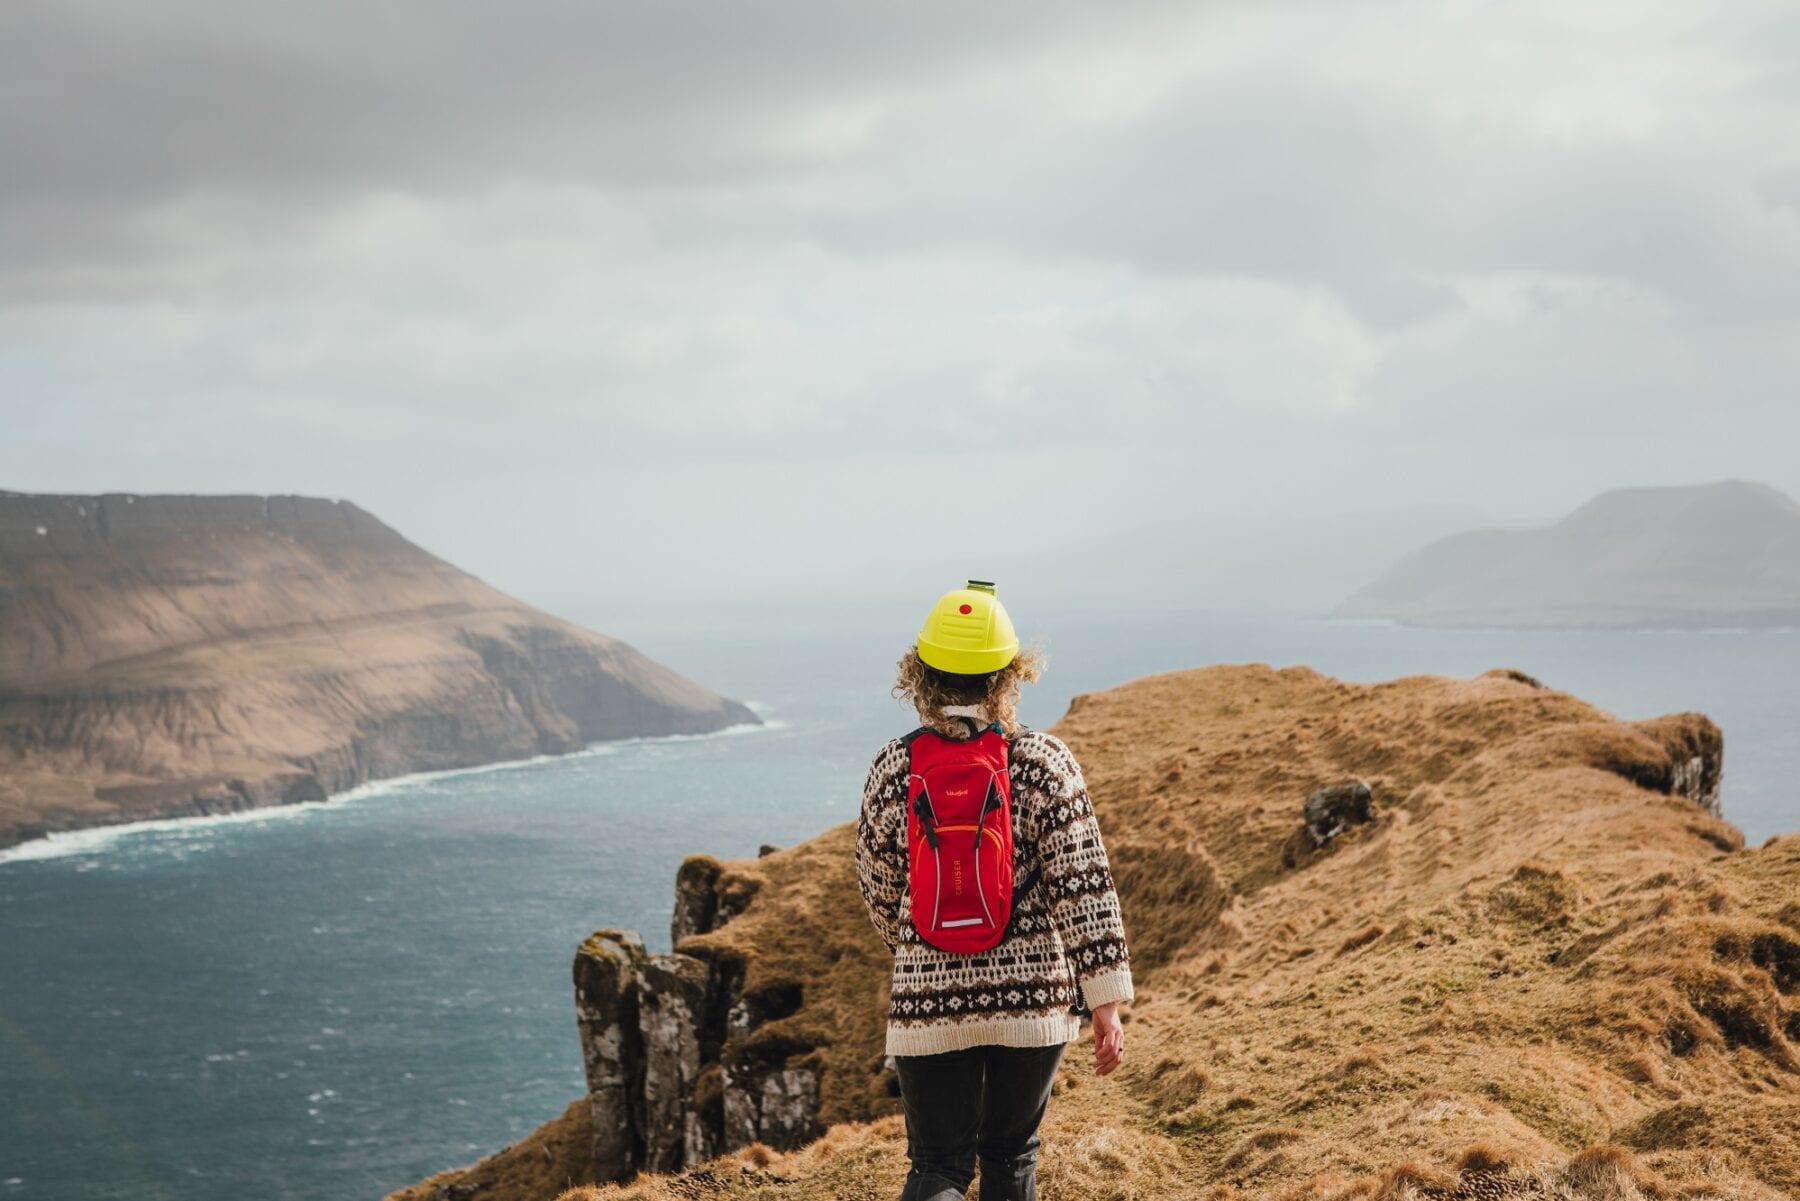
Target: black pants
x,y
981,1102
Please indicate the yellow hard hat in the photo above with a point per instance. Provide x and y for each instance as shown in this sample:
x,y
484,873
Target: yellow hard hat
x,y
968,632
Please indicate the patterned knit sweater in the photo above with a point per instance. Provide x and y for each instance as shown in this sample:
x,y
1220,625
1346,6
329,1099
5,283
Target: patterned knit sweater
x,y
1067,931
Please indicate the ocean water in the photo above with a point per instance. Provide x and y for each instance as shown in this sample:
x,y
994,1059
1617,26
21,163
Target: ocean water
x,y
330,1001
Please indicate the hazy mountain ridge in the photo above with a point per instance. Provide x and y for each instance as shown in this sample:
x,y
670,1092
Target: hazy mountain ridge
x,y
174,655
1544,969
1709,555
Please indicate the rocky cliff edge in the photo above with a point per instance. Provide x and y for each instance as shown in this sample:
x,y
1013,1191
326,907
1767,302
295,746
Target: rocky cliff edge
x,y
1422,938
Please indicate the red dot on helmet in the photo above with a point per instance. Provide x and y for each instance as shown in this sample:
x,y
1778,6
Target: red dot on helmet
x,y
965,608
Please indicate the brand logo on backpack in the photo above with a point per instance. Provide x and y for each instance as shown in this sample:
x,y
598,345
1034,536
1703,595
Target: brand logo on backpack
x,y
959,839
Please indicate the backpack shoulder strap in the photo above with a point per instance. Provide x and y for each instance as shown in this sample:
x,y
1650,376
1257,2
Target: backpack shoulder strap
x,y
907,739
976,730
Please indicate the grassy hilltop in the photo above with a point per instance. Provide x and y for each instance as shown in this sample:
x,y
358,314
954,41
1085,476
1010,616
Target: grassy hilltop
x,y
1542,969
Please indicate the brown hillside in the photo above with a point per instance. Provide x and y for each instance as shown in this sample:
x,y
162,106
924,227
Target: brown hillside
x,y
170,655
1541,970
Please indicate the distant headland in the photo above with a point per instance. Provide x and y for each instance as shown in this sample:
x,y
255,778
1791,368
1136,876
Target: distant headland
x,y
1722,555
166,656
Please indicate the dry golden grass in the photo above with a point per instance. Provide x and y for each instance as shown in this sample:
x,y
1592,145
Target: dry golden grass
x,y
1098,1160
553,1158
1529,976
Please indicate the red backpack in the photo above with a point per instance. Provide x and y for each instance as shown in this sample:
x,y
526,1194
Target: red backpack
x,y
959,838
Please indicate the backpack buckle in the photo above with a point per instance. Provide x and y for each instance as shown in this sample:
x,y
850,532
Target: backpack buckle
x,y
922,807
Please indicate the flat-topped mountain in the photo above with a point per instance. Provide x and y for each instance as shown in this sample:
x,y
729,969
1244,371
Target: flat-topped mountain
x,y
1724,554
173,655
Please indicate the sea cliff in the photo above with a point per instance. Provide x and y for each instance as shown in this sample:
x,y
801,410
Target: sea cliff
x,y
1426,937
168,656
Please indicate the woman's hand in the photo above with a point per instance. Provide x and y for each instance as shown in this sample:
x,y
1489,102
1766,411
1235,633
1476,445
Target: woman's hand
x,y
1109,1038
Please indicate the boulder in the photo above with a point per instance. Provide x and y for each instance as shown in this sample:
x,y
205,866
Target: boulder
x,y
1332,810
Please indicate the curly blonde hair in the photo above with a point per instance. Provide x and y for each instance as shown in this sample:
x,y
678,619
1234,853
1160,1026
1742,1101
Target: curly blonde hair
x,y
930,690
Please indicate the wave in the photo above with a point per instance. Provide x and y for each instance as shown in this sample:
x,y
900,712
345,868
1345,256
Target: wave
x,y
95,839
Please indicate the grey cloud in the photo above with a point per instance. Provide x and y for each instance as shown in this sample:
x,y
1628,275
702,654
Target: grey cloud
x,y
1264,170
780,276
116,107
1257,164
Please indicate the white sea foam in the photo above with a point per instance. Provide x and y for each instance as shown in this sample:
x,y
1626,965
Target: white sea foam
x,y
94,840
64,843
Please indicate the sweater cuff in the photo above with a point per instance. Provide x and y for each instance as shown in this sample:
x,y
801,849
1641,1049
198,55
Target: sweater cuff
x,y
1103,988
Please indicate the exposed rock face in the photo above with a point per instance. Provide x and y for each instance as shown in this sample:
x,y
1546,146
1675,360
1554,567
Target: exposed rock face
x,y
641,1021
175,655
696,897
1692,763
1697,778
1333,809
612,1046
679,1069
1718,555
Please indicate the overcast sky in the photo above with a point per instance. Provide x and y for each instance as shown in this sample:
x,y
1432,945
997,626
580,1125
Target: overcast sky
x,y
747,296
